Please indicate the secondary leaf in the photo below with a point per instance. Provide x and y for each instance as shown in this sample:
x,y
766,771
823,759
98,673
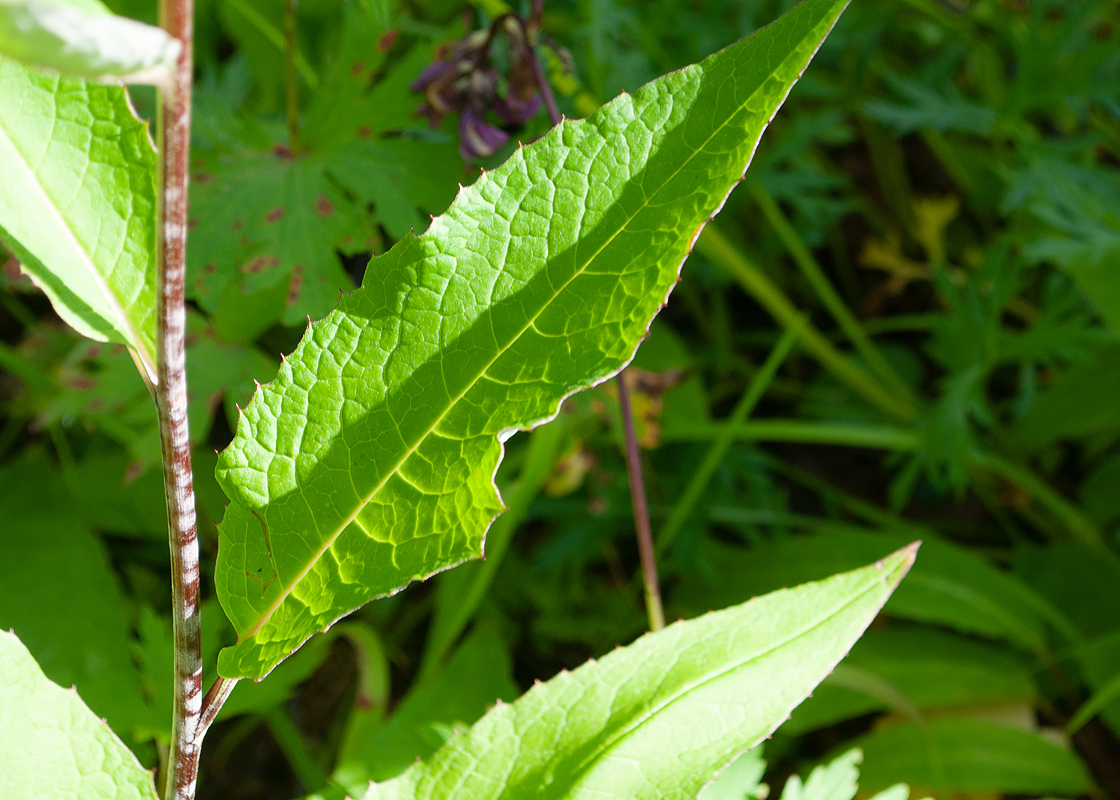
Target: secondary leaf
x,y
969,756
79,200
269,224
59,594
951,586
369,461
627,726
931,668
80,38
52,746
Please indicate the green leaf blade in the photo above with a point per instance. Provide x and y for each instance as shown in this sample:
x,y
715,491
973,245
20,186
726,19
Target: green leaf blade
x,y
965,755
626,726
79,201
52,746
369,461
83,40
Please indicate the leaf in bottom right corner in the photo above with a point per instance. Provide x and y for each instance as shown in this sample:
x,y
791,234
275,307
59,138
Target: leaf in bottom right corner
x,y
965,755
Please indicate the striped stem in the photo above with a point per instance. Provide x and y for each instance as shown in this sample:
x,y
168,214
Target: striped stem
x,y
174,129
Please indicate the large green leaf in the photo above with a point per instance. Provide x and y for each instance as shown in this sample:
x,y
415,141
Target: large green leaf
x,y
369,461
962,755
79,200
52,746
59,594
951,586
82,39
659,718
931,669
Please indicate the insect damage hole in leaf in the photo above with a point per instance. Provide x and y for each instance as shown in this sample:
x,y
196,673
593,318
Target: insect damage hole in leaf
x,y
371,456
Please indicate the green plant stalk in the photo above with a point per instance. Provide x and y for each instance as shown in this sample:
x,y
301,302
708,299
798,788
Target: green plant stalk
x,y
940,146
884,437
857,507
890,170
451,620
646,551
1093,706
723,440
291,85
877,437
173,135
269,31
295,750
714,246
827,294
1079,526
15,364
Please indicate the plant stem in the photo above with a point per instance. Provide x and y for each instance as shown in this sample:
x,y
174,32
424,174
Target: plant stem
x,y
714,246
641,510
1079,526
724,439
291,85
812,271
847,434
538,70
174,131
291,742
269,31
213,702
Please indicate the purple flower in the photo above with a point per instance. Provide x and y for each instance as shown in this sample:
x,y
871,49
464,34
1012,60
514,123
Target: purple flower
x,y
477,137
464,81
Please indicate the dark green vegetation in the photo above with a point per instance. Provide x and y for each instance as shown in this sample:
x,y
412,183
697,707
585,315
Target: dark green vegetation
x,y
939,198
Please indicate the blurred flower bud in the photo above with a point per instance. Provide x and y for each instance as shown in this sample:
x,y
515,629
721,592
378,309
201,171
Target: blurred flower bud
x,y
464,81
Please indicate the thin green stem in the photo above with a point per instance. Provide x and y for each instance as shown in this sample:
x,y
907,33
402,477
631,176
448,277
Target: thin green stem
x,y
827,294
276,37
714,246
868,512
1072,518
291,742
12,362
17,309
876,437
724,439
291,84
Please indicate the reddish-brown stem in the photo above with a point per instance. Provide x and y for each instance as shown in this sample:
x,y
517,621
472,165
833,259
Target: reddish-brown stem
x,y
174,131
538,70
212,704
641,510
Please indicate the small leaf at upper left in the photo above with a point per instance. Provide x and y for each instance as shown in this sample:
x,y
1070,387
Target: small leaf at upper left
x,y
79,203
52,745
81,39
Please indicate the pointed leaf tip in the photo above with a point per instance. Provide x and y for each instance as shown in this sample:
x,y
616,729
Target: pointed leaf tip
x,y
754,663
408,425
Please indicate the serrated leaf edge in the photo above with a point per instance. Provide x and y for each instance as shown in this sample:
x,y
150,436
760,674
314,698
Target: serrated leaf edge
x,y
506,433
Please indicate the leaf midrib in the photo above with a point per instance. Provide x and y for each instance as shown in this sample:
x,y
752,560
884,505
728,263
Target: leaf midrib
x,y
454,401
624,733
85,258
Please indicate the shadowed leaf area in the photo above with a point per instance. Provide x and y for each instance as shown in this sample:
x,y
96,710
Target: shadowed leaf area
x,y
369,461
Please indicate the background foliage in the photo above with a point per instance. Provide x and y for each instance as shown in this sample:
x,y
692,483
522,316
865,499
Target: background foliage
x,y
938,198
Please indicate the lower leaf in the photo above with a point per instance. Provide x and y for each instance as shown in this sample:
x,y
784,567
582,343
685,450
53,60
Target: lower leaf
x,y
659,718
51,744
